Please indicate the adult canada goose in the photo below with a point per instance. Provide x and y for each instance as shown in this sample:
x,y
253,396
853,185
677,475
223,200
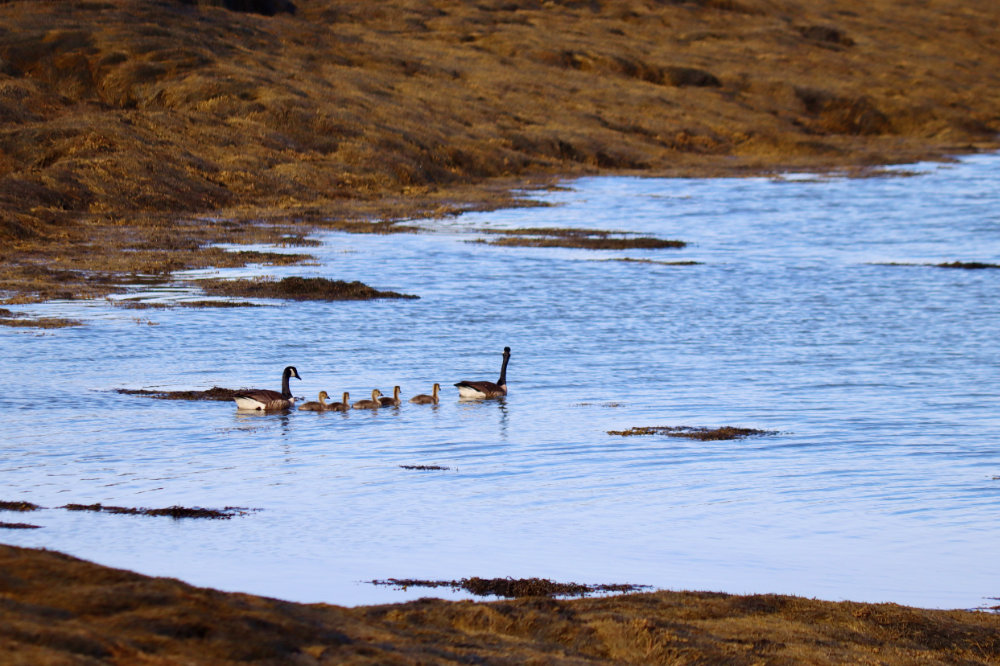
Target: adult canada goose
x,y
369,404
480,390
393,401
266,400
342,406
424,399
320,406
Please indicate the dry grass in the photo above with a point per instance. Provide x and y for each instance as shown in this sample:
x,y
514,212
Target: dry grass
x,y
135,132
58,609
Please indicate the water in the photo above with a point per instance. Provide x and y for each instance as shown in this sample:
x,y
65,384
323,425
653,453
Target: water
x,y
880,380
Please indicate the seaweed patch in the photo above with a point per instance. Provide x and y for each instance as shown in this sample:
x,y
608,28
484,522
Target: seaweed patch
x,y
20,320
588,239
214,393
699,433
18,506
175,512
297,289
963,265
512,588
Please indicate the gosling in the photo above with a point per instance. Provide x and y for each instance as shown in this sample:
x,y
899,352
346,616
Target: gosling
x,y
320,406
369,404
393,401
424,399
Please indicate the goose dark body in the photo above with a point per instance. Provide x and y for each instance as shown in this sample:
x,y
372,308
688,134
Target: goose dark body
x,y
480,390
267,400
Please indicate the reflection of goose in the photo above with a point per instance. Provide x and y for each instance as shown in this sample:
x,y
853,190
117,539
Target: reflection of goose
x,y
316,406
424,399
369,404
267,400
342,406
480,390
393,401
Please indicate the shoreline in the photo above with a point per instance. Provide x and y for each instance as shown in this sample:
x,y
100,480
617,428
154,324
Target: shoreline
x,y
60,608
138,134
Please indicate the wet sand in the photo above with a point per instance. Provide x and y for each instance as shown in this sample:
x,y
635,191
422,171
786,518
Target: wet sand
x,y
136,133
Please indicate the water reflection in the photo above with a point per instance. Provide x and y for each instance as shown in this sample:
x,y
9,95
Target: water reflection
x,y
879,378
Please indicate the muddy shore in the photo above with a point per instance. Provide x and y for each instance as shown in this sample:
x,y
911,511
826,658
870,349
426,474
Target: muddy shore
x,y
136,133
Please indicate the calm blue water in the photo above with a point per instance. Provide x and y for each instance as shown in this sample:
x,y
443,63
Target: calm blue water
x,y
881,380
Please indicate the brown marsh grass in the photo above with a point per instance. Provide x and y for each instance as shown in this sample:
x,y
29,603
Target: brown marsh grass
x,y
135,133
59,609
298,289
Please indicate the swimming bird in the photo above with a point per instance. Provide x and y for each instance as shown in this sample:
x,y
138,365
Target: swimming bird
x,y
480,390
342,406
393,401
369,404
320,406
265,400
424,399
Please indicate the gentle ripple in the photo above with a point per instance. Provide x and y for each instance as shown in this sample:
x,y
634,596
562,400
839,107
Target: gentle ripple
x,y
881,380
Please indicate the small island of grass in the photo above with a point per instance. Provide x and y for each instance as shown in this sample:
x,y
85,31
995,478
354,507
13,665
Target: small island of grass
x,y
297,289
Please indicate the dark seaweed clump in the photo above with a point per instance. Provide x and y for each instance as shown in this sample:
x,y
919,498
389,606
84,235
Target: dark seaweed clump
x,y
631,260
140,305
588,239
964,265
967,265
701,434
214,393
18,506
512,588
424,467
18,526
298,289
175,512
19,320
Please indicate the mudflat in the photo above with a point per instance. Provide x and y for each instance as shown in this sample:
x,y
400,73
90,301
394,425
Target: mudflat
x,y
136,133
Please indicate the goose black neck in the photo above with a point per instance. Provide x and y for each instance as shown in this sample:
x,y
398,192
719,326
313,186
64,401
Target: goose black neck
x,y
286,393
503,368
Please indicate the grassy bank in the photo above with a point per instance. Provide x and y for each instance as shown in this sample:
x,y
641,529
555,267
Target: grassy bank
x,y
60,610
136,131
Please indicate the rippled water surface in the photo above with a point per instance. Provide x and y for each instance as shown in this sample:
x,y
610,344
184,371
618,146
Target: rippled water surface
x,y
882,382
